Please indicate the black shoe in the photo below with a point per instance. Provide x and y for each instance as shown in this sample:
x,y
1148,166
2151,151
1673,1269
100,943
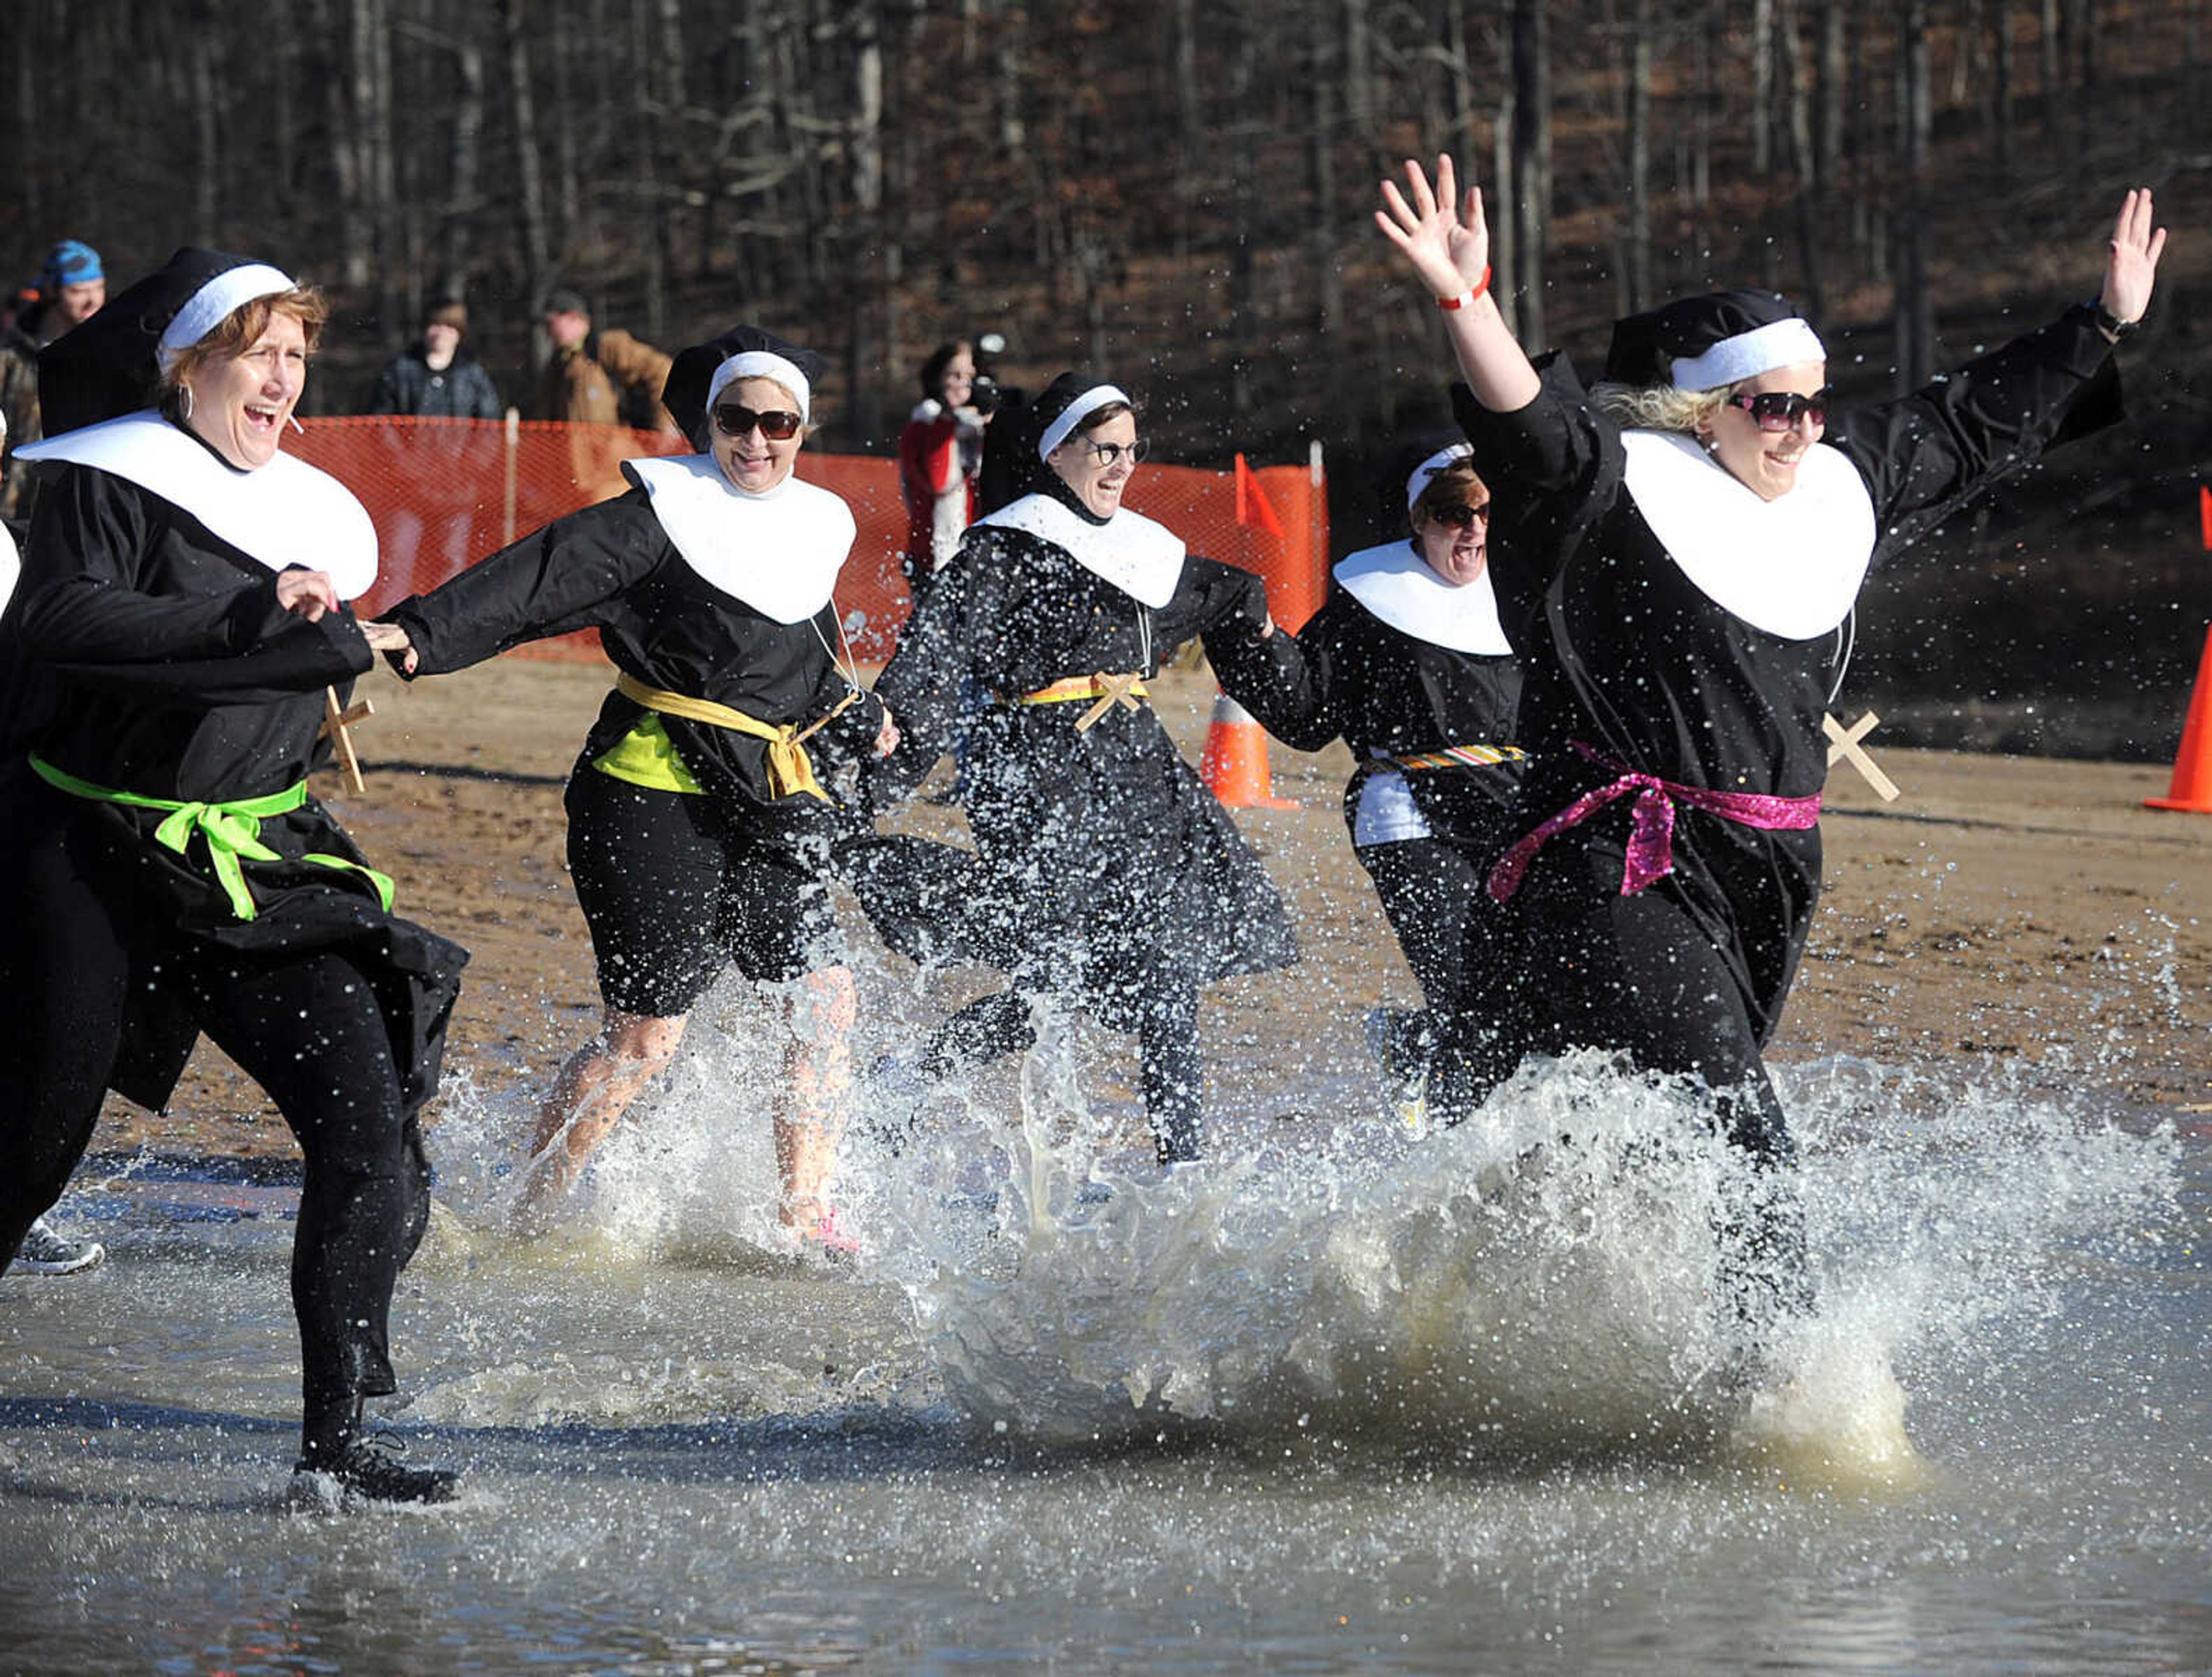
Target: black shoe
x,y
370,1470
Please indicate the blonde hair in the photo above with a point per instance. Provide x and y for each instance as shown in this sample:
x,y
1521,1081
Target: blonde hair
x,y
1658,407
238,331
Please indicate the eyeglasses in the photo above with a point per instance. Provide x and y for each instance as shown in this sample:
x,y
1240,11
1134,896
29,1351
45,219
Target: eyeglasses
x,y
1460,516
1106,454
777,425
1781,409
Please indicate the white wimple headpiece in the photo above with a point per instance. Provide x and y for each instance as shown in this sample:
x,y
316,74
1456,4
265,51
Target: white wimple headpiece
x,y
1747,354
761,364
1074,414
210,306
1435,464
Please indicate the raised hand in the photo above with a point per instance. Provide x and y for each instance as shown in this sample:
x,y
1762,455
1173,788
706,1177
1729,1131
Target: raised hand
x,y
2131,267
1447,247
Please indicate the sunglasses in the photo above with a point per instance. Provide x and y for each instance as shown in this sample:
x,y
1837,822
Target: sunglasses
x,y
1781,409
777,425
1461,517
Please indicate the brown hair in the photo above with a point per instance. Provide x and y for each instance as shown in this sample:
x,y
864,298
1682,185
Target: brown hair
x,y
1098,416
1456,485
237,331
447,311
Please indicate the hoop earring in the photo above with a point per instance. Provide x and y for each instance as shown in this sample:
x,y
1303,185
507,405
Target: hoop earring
x,y
184,401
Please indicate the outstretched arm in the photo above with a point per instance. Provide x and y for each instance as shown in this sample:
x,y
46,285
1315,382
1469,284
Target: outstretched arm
x,y
1448,251
2131,262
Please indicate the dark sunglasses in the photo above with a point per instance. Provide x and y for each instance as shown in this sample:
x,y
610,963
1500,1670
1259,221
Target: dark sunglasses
x,y
1461,517
777,425
1781,409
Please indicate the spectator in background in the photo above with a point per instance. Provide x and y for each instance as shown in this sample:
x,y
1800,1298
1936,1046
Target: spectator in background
x,y
446,466
596,378
941,459
433,379
72,287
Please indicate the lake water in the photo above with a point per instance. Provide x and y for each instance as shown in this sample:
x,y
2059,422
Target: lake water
x,y
1342,1399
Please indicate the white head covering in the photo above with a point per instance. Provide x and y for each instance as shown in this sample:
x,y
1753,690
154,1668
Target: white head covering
x,y
1075,413
1428,469
1747,354
761,364
209,307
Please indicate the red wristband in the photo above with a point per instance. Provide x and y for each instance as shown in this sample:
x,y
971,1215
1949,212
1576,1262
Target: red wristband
x,y
1467,297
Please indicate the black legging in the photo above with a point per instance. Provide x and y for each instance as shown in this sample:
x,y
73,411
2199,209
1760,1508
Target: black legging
x,y
308,1029
1460,945
1168,1064
1637,973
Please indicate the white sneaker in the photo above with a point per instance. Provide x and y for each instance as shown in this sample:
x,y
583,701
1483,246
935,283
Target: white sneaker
x,y
47,1251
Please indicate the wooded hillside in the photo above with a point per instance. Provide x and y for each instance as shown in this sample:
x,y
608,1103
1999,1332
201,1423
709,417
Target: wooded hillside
x,y
1176,193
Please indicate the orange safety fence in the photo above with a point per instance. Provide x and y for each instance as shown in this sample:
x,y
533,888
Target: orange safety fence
x,y
444,493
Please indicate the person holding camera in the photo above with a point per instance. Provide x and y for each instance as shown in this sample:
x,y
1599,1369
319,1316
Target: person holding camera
x,y
941,459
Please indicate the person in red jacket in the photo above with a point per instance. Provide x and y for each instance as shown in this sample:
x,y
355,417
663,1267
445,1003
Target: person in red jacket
x,y
941,459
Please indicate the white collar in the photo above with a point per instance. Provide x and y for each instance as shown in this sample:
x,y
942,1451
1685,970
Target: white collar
x,y
1143,559
1396,584
1791,566
779,552
284,513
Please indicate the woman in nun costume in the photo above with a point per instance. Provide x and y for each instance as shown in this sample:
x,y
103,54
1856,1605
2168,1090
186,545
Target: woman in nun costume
x,y
182,608
1121,884
1408,663
1685,547
699,831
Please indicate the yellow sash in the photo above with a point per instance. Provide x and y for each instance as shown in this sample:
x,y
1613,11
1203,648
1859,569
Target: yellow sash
x,y
789,768
1108,691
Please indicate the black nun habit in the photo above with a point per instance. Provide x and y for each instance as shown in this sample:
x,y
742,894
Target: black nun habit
x,y
167,873
1122,885
1683,639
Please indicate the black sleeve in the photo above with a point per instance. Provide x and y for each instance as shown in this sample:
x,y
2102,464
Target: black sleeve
x,y
850,736
1553,467
82,612
1925,455
1288,682
1221,602
921,685
385,398
551,582
482,400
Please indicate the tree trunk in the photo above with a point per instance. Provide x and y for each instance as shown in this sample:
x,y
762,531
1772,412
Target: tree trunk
x,y
464,202
864,370
1531,162
1914,320
2001,86
537,255
207,159
1762,86
1643,27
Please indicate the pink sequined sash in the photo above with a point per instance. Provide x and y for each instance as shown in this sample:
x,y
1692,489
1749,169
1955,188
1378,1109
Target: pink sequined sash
x,y
1652,823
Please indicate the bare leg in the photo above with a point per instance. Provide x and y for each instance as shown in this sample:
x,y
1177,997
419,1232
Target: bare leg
x,y
594,1088
818,1081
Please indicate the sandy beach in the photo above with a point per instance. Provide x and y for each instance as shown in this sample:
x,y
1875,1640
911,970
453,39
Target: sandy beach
x,y
2005,908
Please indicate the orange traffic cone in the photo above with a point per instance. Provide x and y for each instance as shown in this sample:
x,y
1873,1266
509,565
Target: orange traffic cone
x,y
2192,765
1235,763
